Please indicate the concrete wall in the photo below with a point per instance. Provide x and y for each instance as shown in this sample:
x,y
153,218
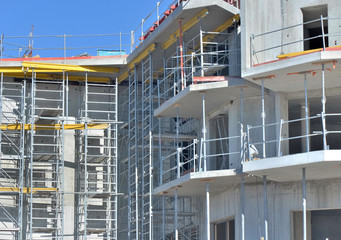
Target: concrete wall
x,y
283,200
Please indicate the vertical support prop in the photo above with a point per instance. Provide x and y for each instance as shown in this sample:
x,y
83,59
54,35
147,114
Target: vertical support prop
x,y
208,233
204,131
176,231
265,197
306,113
323,114
263,120
304,202
242,200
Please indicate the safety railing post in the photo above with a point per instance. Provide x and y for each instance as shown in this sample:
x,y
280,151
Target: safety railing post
x,y
194,153
2,45
64,38
279,138
158,14
120,44
178,162
248,142
323,38
132,38
251,49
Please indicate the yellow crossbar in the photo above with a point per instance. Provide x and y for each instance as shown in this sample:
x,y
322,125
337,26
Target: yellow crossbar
x,y
13,127
27,190
65,67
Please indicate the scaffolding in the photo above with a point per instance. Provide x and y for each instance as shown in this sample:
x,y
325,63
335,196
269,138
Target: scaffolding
x,y
34,122
12,105
98,163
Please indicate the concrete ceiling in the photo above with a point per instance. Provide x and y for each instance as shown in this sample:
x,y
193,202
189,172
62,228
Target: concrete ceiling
x,y
284,72
217,94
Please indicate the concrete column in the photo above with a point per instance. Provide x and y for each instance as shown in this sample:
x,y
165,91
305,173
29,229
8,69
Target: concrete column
x,y
305,127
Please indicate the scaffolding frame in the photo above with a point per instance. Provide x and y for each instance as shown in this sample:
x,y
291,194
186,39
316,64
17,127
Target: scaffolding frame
x,y
36,150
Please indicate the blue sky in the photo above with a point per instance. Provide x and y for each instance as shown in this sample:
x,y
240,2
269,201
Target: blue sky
x,y
73,17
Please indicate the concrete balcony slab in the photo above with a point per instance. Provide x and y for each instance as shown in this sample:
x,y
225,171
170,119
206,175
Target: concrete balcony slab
x,y
217,94
194,183
323,164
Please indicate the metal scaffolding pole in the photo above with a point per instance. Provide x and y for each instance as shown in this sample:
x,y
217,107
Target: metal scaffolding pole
x,y
204,130
263,120
265,197
208,233
242,200
306,112
323,114
304,203
176,231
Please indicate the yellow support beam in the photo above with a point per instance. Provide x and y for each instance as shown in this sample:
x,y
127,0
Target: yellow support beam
x,y
58,77
123,76
13,127
27,190
173,37
65,67
143,55
222,27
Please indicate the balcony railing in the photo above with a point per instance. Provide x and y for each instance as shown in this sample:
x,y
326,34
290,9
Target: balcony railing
x,y
199,156
273,144
265,47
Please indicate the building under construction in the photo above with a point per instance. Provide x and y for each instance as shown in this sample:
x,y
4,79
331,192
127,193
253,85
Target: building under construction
x,y
214,119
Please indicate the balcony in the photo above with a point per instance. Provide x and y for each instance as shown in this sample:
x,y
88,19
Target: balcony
x,y
190,167
280,61
309,145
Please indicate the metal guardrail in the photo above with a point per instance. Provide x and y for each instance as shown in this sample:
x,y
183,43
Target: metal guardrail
x,y
63,45
260,37
280,139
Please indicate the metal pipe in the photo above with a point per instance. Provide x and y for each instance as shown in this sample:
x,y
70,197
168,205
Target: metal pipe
x,y
323,37
163,217
32,150
132,40
280,138
86,184
158,15
64,46
178,162
136,155
204,130
263,120
251,50
181,57
248,141
265,197
323,100
242,200
150,185
208,234
1,46
176,233
201,53
306,112
304,204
